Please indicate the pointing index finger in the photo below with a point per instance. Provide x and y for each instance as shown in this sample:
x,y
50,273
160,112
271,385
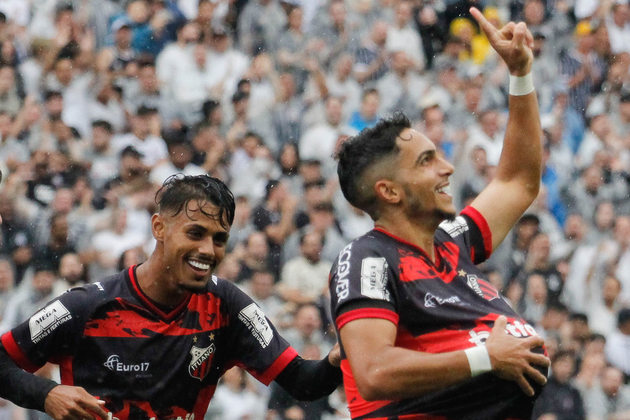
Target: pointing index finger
x,y
485,25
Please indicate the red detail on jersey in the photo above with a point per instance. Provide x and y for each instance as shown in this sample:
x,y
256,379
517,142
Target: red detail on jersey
x,y
362,313
357,405
65,370
484,228
203,400
399,239
16,353
129,323
411,417
148,412
440,341
414,268
489,291
148,302
278,366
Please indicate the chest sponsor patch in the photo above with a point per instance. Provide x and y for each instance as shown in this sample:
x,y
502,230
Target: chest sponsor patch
x,y
431,300
374,278
254,318
47,320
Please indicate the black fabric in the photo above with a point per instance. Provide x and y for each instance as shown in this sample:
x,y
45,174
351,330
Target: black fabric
x,y
308,380
19,386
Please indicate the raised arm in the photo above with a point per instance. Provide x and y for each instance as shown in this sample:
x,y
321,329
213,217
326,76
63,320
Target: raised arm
x,y
517,179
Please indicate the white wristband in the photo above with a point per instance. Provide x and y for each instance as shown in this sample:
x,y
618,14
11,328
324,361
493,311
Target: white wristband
x,y
521,85
478,360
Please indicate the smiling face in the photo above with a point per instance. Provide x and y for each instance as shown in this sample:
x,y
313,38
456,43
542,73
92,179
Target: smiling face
x,y
191,245
423,175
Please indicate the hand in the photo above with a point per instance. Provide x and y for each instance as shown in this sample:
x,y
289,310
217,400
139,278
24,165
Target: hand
x,y
512,358
513,43
334,357
65,402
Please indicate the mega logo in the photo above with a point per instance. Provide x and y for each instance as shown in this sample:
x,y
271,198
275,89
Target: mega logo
x,y
114,364
47,320
342,286
254,318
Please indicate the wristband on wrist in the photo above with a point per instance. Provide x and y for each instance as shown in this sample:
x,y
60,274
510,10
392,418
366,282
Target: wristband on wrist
x,y
521,85
478,360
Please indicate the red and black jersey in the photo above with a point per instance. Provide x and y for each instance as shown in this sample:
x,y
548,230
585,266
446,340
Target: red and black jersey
x,y
111,339
438,307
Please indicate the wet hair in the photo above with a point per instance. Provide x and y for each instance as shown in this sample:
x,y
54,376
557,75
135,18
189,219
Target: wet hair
x,y
359,153
178,190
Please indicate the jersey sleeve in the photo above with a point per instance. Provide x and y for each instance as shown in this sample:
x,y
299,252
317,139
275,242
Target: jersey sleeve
x,y
258,347
361,285
49,333
472,233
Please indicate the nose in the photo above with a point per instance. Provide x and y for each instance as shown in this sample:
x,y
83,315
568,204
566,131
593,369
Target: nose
x,y
206,248
446,168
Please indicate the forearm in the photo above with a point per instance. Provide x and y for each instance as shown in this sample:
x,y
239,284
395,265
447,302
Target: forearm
x,y
399,373
21,387
309,380
521,158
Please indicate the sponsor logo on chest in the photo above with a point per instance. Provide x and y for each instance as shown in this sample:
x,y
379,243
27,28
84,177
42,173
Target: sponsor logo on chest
x,y
114,364
431,300
515,328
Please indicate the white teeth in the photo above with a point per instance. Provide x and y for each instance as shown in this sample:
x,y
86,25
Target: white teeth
x,y
445,189
199,265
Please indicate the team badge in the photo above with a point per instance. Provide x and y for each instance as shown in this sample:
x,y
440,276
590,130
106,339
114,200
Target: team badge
x,y
201,360
481,287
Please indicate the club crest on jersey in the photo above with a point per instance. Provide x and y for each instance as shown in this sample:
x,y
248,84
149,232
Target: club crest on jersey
x,y
481,287
201,360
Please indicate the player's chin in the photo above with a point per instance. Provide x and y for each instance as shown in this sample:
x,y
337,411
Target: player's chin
x,y
195,286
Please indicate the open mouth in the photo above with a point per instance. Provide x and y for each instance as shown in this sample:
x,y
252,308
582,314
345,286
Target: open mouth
x,y
444,189
199,266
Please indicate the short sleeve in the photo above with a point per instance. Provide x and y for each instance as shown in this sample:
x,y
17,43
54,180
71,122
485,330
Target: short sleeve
x,y
471,232
258,347
51,332
361,285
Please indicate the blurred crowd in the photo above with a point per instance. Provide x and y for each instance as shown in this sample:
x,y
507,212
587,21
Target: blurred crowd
x,y
102,100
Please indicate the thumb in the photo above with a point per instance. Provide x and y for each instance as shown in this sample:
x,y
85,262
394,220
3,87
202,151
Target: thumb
x,y
499,324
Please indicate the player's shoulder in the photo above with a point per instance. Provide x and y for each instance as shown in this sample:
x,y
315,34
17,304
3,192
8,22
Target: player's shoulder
x,y
98,291
454,227
372,242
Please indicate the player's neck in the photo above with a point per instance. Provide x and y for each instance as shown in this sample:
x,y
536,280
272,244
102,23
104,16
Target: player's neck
x,y
153,280
417,234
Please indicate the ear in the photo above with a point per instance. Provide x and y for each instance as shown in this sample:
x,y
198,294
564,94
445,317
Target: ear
x,y
387,191
158,227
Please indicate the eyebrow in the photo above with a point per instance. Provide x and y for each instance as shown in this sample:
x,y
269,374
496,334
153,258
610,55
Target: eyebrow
x,y
429,153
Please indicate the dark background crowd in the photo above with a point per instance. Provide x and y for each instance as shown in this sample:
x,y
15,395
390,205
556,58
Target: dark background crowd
x,y
102,100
